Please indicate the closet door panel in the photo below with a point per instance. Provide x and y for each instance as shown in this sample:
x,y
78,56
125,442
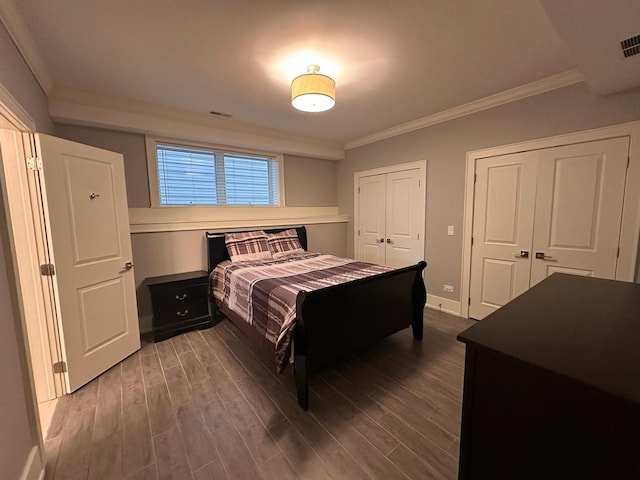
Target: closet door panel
x,y
371,219
579,209
502,230
404,218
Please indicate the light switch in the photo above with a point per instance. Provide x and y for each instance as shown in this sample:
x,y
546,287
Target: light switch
x,y
450,230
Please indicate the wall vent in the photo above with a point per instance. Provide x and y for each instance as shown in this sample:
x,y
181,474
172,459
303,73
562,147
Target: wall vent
x,y
630,46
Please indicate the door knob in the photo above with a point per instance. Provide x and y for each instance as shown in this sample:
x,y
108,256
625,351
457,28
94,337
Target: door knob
x,y
389,241
379,240
542,256
522,254
128,266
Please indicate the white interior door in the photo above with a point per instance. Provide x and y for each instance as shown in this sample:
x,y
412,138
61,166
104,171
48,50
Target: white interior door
x,y
371,219
504,205
579,209
88,231
405,205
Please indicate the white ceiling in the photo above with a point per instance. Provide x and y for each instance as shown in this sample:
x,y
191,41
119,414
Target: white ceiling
x,y
394,61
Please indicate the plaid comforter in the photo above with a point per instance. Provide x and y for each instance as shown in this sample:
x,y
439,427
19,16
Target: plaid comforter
x,y
263,292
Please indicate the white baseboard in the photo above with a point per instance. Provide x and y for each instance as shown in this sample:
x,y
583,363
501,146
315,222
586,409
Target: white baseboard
x,y
443,304
33,468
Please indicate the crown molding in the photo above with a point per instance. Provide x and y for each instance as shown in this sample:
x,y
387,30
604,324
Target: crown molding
x,y
19,32
554,82
87,109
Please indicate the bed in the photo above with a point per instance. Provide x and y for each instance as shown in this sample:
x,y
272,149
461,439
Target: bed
x,y
331,322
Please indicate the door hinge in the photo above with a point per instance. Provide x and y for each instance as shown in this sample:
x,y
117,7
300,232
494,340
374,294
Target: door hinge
x,y
418,236
34,163
358,232
47,269
475,177
618,254
469,300
60,367
472,241
358,189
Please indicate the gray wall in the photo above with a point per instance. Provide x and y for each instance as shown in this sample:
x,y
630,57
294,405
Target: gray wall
x,y
310,182
445,145
17,417
17,78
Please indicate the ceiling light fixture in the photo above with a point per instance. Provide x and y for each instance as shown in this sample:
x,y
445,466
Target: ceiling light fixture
x,y
313,92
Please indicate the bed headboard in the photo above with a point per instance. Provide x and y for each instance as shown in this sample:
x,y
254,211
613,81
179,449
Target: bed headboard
x,y
217,250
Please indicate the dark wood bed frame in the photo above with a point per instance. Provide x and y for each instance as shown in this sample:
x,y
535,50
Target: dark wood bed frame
x,y
335,321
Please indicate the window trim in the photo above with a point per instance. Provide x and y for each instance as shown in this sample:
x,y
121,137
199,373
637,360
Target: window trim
x,y
151,143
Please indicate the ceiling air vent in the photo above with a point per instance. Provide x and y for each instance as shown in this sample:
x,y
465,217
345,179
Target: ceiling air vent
x,y
631,46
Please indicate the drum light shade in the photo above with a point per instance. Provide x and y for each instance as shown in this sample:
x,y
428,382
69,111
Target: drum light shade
x,y
313,92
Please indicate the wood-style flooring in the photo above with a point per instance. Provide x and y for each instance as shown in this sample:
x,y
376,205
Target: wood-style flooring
x,y
202,406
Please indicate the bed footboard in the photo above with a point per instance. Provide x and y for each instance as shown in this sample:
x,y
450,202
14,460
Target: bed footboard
x,y
336,321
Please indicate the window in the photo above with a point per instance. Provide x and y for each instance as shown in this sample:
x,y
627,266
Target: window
x,y
189,175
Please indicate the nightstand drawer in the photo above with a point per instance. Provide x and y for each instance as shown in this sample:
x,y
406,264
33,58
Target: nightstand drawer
x,y
185,302
179,303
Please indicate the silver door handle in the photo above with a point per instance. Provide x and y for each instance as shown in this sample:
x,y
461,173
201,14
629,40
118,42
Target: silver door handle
x,y
128,266
389,241
542,256
379,240
522,254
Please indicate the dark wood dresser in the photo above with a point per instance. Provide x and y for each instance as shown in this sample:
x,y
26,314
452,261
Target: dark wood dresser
x,y
552,384
179,303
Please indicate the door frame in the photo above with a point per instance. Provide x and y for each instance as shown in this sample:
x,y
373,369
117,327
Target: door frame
x,y
420,165
14,117
627,268
38,319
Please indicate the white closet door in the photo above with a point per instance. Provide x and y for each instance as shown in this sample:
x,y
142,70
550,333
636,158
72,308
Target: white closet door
x,y
405,202
504,205
579,209
391,216
371,219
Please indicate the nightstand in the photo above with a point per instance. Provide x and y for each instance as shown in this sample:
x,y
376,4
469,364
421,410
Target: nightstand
x,y
179,303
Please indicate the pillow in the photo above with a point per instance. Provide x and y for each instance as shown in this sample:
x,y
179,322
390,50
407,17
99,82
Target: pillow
x,y
284,243
245,246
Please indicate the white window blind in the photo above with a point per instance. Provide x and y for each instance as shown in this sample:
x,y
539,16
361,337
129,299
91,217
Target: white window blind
x,y
196,176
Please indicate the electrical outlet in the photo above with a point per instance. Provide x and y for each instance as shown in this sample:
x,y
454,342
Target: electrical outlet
x,y
450,230
448,288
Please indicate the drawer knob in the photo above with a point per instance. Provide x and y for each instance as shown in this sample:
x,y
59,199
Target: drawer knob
x,y
182,314
181,297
